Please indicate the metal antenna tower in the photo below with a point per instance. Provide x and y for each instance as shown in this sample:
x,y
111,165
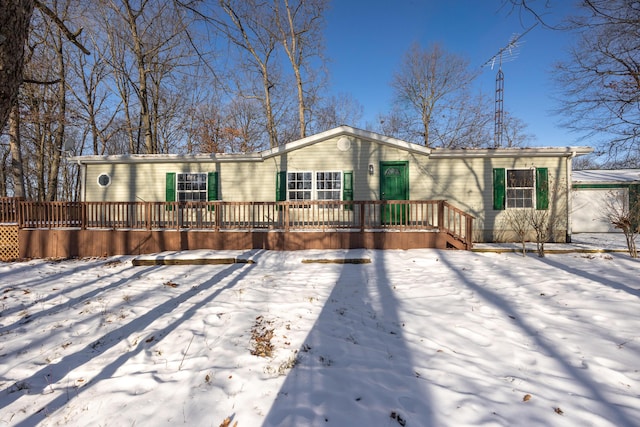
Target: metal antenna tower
x,y
507,53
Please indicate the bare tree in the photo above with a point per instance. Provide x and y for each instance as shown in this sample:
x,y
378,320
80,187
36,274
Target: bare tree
x,y
250,27
15,17
243,116
44,103
515,132
517,221
540,223
397,124
464,122
15,144
147,46
232,128
299,24
622,209
341,109
426,85
97,108
600,80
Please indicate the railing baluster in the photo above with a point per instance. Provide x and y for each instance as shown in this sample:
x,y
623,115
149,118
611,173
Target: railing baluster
x,y
219,215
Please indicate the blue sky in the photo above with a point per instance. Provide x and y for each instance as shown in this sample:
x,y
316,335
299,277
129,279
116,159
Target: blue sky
x,y
367,38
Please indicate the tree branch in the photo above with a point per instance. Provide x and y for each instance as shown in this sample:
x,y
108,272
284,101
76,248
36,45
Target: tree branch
x,y
73,37
41,82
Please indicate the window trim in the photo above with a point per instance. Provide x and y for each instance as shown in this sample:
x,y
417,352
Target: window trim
x,y
301,190
531,188
314,190
201,179
541,185
101,184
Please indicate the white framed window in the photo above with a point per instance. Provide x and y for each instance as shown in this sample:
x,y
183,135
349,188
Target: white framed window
x,y
328,185
520,188
191,187
299,185
319,185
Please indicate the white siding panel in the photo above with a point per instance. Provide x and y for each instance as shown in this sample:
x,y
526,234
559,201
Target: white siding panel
x,y
589,209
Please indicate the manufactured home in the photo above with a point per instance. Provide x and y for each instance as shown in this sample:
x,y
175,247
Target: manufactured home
x,y
324,179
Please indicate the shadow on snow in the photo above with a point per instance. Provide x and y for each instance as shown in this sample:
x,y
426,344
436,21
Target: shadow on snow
x,y
56,371
341,368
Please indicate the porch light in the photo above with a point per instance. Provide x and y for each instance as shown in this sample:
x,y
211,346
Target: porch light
x,y
370,169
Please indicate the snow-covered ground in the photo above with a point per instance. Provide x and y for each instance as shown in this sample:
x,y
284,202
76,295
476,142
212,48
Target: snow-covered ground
x,y
415,338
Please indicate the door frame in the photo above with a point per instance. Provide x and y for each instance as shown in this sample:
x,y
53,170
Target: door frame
x,y
394,214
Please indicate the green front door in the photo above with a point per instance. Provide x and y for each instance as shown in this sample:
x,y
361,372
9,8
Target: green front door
x,y
394,185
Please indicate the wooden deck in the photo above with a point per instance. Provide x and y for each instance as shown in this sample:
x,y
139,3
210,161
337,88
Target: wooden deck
x,y
72,229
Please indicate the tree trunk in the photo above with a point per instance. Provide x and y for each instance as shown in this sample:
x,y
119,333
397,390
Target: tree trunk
x,y
15,16
271,123
16,152
143,96
294,52
58,137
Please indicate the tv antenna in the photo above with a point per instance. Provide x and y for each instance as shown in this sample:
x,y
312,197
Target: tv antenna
x,y
505,54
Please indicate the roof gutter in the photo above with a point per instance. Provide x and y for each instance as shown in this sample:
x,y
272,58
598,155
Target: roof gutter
x,y
569,198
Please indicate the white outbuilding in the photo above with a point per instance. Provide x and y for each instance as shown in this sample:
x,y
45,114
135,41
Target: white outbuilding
x,y
593,191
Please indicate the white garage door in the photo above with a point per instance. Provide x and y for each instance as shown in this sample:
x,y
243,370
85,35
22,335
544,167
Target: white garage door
x,y
590,207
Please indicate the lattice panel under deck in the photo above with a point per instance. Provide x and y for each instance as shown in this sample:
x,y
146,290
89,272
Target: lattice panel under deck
x,y
9,249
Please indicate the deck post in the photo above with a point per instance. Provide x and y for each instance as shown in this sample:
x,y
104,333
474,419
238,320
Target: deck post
x,y
217,216
83,216
441,214
286,216
148,211
17,205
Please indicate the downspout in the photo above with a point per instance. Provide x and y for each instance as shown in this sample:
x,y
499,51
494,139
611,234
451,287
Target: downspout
x,y
569,194
83,177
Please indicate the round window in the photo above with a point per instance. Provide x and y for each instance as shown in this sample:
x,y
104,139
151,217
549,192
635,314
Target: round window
x,y
104,180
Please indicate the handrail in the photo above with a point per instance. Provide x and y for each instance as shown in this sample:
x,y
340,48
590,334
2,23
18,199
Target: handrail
x,y
457,223
402,215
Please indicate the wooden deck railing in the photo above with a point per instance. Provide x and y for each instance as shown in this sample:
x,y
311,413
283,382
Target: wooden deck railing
x,y
398,215
8,210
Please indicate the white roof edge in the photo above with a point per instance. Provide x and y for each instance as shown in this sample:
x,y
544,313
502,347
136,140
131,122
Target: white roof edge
x,y
510,152
347,131
332,133
606,176
168,158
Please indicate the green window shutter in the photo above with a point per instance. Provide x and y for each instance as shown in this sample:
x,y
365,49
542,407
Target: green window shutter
x,y
499,188
212,186
281,186
542,188
347,188
170,189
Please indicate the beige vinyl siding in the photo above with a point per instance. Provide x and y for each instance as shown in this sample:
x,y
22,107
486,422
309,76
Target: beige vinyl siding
x,y
325,156
146,181
248,181
468,185
464,181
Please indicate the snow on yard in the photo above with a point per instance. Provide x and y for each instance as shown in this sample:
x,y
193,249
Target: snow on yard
x,y
413,338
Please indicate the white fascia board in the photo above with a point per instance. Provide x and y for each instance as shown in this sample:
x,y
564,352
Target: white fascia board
x,y
441,153
167,158
346,131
